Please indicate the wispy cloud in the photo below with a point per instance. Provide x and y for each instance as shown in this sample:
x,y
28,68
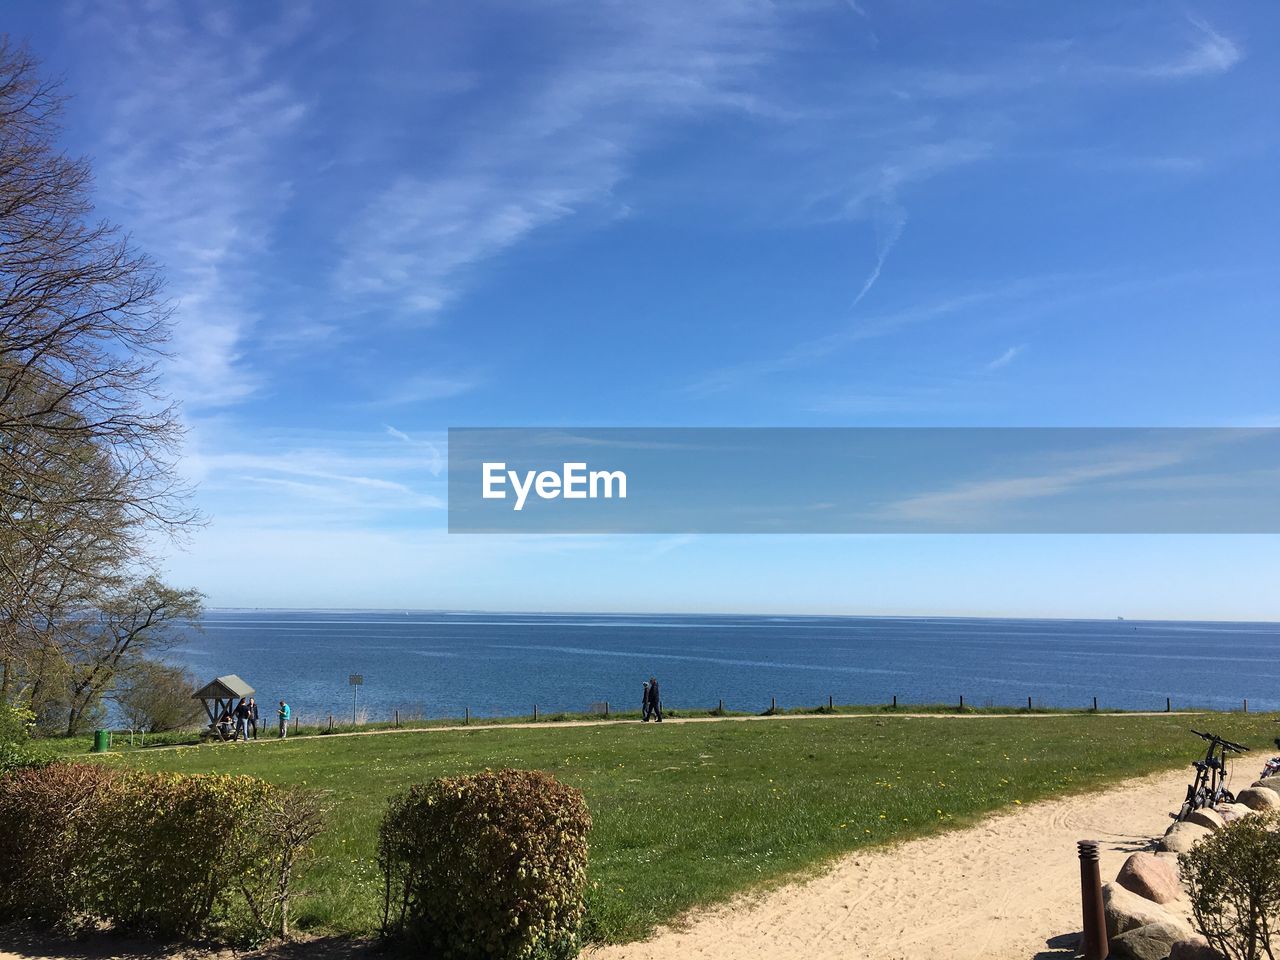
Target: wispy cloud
x,y
1005,358
198,112
1212,53
561,146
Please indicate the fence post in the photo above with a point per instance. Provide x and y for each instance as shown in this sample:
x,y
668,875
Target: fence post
x,y
773,704
606,709
1246,704
331,723
397,719
1095,704
466,718
535,713
1168,704
962,701
1028,703
895,701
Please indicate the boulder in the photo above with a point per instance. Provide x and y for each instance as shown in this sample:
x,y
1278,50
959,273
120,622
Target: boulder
x,y
1151,876
1271,783
1127,911
1182,836
1154,941
1233,811
1193,948
1206,817
1259,798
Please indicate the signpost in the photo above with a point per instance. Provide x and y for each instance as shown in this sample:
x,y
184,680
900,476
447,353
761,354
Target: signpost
x,y
356,680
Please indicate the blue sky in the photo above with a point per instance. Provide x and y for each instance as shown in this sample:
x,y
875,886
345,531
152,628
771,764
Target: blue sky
x,y
382,220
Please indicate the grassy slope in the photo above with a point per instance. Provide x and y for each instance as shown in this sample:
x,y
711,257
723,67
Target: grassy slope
x,y
691,814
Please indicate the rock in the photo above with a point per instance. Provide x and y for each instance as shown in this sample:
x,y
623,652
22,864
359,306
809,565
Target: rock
x,y
1233,811
1153,941
1259,798
1126,911
1182,836
1151,876
1205,817
1271,783
1193,948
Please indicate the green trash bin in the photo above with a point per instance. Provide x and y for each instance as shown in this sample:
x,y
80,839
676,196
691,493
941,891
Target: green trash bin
x,y
101,741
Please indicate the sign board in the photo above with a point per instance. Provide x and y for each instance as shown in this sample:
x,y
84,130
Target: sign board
x,y
356,679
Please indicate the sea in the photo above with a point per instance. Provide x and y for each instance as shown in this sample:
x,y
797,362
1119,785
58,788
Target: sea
x,y
434,665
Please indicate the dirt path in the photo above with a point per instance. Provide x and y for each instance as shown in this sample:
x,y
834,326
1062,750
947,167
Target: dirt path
x,y
1007,888
268,738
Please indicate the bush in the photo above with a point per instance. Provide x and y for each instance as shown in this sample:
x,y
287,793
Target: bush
x,y
157,697
159,855
48,819
16,748
1233,877
491,865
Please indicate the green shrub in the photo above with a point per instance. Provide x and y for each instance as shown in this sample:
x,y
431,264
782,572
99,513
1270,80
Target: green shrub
x,y
48,820
491,865
1233,877
159,855
16,747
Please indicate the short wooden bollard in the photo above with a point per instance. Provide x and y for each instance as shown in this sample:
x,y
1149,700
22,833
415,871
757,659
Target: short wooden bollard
x,y
1095,942
773,704
1095,704
962,701
535,713
1028,703
895,701
331,723
1168,704
721,707
466,717
397,719
606,709
831,702
1246,704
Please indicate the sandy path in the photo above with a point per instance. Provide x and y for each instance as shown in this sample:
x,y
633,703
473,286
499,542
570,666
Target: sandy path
x,y
1007,888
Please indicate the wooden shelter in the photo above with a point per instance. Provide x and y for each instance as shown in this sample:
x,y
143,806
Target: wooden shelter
x,y
220,696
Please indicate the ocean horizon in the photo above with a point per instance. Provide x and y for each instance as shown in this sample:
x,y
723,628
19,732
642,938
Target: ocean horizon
x,y
435,664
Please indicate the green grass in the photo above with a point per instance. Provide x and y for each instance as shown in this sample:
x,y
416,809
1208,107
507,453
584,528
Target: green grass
x,y
690,814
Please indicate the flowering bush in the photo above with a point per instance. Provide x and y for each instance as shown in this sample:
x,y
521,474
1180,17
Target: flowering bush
x,y
491,865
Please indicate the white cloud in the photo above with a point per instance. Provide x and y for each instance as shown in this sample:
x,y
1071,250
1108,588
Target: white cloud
x,y
1005,358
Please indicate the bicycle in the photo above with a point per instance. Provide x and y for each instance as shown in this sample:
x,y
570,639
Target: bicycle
x,y
1209,787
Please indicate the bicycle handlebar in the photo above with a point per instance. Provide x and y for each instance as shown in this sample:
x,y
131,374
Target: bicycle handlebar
x,y
1225,744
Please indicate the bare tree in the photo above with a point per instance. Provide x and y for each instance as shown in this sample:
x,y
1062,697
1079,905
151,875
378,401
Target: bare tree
x,y
155,696
88,441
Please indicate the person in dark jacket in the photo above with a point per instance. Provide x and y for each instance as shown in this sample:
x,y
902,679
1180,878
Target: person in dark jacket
x,y
253,717
644,702
655,700
242,720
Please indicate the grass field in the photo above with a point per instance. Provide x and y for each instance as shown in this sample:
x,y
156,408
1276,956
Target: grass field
x,y
689,814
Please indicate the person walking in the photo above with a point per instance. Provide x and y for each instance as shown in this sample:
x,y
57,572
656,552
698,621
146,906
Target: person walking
x,y
253,717
655,700
242,720
644,702
283,715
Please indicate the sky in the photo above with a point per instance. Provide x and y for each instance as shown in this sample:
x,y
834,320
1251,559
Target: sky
x,y
381,220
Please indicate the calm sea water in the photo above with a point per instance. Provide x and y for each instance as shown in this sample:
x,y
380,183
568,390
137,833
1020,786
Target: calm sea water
x,y
438,664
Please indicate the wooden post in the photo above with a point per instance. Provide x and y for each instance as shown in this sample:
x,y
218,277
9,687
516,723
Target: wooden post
x,y
331,723
1246,704
535,713
1095,704
895,701
1168,704
830,704
721,707
466,716
773,704
962,701
397,719
606,709
1028,703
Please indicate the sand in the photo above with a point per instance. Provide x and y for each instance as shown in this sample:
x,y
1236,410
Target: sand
x,y
1007,888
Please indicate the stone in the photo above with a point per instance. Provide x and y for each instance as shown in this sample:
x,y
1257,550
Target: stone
x,y
1259,798
1205,817
1182,836
1233,811
1126,911
1193,948
1153,941
1271,783
1151,876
